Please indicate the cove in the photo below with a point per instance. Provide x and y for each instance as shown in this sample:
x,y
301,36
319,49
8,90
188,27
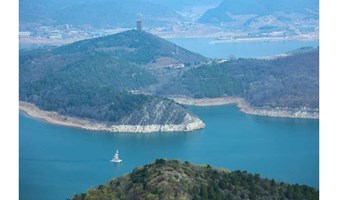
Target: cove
x,y
56,162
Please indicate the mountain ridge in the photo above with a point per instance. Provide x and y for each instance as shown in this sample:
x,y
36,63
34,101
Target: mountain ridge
x,y
98,13
266,13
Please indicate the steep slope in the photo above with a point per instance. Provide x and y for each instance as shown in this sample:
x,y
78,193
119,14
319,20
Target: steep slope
x,y
91,80
172,179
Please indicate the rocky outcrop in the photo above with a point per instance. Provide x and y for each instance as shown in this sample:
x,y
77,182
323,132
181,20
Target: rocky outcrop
x,y
155,116
300,113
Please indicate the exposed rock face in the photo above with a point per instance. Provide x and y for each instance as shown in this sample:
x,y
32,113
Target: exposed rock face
x,y
158,115
156,111
149,119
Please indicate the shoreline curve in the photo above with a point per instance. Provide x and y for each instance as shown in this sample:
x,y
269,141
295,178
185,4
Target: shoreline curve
x,y
190,123
243,105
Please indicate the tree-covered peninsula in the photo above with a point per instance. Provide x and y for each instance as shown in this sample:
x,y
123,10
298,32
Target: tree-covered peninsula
x,y
290,81
94,79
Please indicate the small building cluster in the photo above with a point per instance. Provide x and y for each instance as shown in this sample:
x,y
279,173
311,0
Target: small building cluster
x,y
176,66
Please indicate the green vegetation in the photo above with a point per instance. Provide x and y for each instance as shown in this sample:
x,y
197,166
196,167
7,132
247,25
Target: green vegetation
x,y
172,179
210,81
291,81
92,87
92,78
135,46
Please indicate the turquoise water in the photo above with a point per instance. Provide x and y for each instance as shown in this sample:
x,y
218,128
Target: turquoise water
x,y
57,162
240,49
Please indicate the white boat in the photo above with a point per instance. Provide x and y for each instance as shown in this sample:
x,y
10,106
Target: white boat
x,y
116,157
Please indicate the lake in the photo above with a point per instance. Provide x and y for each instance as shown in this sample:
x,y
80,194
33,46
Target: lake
x,y
56,162
204,47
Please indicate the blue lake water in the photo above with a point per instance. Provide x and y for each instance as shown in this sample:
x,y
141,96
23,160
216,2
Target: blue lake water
x,y
204,47
56,162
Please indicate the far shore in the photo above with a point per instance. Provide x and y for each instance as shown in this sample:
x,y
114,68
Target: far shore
x,y
190,123
57,42
303,113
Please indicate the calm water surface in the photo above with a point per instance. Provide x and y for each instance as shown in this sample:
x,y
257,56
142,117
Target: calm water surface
x,y
56,162
204,47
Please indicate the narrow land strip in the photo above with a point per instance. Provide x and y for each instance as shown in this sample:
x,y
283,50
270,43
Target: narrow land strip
x,y
303,113
190,122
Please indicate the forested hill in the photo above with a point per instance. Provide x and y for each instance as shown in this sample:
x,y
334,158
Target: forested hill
x,y
172,179
91,79
291,81
135,46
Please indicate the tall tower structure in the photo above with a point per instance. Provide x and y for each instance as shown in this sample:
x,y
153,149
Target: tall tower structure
x,y
139,25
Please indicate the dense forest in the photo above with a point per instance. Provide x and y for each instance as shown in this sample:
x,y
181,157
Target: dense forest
x,y
291,81
92,79
172,179
135,46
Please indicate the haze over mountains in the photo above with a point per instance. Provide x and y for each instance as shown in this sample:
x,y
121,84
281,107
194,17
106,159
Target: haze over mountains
x,y
263,7
97,13
272,13
118,13
60,22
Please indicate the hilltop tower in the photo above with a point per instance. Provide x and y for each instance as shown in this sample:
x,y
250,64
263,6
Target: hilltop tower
x,y
139,24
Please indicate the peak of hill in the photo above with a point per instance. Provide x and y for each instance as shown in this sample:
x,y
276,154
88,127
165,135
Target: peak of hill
x,y
93,79
135,46
172,179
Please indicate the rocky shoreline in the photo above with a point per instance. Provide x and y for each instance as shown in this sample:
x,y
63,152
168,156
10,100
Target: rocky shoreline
x,y
190,123
303,113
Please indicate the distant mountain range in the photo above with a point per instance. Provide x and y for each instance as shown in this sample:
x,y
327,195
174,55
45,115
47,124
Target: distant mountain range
x,y
179,5
172,179
245,15
97,13
244,10
92,79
